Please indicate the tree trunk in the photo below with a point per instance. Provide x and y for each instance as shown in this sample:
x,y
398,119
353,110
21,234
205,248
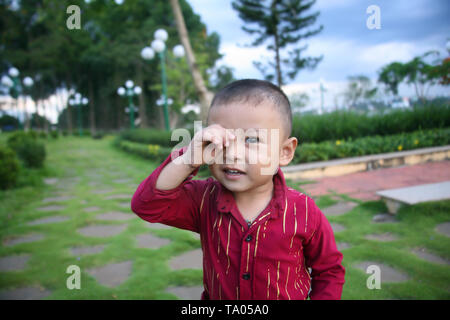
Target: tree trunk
x,y
91,105
205,95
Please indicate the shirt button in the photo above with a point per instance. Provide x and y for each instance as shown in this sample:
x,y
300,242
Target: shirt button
x,y
246,276
249,238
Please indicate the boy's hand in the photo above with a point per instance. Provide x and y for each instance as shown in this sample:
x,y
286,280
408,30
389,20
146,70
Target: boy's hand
x,y
216,135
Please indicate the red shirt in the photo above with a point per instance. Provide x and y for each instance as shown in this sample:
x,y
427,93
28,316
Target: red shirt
x,y
266,260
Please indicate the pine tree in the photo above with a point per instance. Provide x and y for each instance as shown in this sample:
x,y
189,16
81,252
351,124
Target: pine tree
x,y
284,23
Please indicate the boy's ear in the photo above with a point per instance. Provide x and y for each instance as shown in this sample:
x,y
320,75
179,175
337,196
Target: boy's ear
x,y
288,151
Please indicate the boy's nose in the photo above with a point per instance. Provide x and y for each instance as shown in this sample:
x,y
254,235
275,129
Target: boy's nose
x,y
235,152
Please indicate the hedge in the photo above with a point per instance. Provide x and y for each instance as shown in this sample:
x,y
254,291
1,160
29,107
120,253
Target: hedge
x,y
308,152
350,124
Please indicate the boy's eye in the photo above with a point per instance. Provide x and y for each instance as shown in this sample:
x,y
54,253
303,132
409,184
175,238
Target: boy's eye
x,y
252,140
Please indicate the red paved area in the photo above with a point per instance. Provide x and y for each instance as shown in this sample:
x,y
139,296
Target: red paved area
x,y
363,185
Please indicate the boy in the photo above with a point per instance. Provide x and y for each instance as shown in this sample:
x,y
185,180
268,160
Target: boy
x,y
258,236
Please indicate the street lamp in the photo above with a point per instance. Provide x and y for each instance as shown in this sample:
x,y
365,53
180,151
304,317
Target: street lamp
x,y
158,45
78,101
130,91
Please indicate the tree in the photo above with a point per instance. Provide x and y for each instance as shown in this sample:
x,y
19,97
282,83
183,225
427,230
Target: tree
x,y
392,75
359,89
284,23
298,101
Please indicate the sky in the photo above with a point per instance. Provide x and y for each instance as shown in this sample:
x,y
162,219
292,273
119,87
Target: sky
x,y
409,28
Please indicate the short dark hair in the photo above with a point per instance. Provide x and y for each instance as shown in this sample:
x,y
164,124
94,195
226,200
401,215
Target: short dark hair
x,y
255,92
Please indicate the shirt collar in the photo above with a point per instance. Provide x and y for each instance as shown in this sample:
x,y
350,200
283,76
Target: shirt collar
x,y
225,199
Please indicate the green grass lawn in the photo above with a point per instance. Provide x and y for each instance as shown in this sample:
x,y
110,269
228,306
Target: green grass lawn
x,y
72,158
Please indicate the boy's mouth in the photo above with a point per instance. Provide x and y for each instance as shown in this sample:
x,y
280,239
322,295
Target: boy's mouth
x,y
232,172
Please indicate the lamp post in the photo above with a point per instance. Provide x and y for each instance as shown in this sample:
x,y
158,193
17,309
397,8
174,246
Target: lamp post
x,y
130,91
158,45
78,101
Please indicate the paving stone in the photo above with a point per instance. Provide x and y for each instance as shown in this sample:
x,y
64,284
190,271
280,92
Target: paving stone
x,y
112,275
186,293
114,216
25,293
337,227
339,208
91,209
150,241
444,228
57,199
388,274
79,251
25,239
425,255
119,196
50,181
46,220
102,231
51,208
102,191
14,263
123,180
382,237
156,226
384,218
126,205
188,260
343,245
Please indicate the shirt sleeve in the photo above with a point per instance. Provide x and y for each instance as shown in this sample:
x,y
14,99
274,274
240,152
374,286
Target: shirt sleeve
x,y
178,207
323,257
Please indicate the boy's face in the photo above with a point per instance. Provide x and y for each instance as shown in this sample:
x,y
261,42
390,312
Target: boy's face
x,y
257,153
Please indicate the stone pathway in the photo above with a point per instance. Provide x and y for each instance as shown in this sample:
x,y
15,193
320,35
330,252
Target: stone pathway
x,y
22,239
189,260
444,229
119,196
25,293
186,293
51,208
57,199
47,220
80,251
430,257
363,185
14,263
150,241
337,227
339,208
383,237
114,216
112,275
384,218
102,231
388,274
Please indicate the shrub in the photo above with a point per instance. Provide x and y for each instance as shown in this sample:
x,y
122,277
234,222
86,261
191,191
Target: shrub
x,y
98,135
30,150
343,124
148,151
54,134
9,168
327,150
